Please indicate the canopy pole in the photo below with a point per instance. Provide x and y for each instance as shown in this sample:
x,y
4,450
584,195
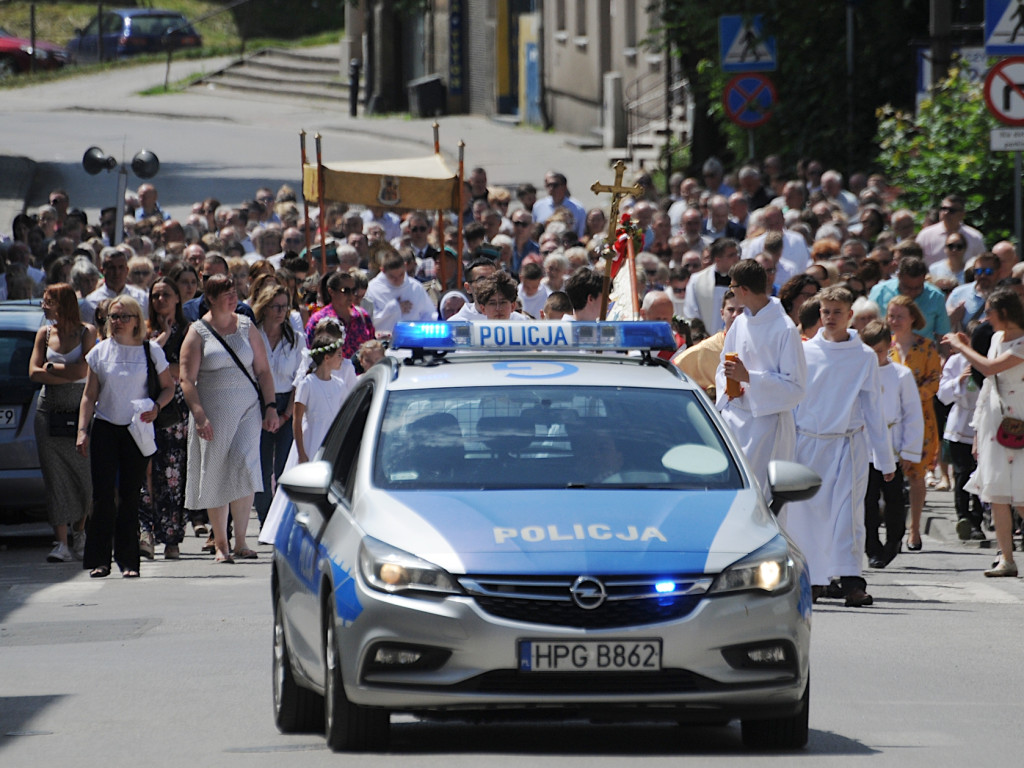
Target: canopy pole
x,y
305,200
437,137
322,222
462,185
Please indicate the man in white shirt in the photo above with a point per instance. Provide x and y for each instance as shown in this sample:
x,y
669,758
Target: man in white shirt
x,y
707,288
114,265
396,296
951,219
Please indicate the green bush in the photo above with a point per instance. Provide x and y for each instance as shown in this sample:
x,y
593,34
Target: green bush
x,y
945,150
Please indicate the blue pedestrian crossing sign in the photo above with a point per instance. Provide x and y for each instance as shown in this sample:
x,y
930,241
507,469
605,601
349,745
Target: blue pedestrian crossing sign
x,y
744,46
1004,27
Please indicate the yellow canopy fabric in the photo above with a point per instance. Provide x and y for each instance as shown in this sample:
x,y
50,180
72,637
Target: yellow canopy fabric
x,y
415,183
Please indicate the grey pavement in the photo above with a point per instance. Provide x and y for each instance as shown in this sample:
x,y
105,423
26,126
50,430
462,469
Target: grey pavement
x,y
207,137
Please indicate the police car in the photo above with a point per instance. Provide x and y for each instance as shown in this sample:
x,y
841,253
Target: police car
x,y
508,524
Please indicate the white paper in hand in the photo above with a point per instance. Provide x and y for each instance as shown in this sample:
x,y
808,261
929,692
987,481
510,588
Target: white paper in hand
x,y
142,432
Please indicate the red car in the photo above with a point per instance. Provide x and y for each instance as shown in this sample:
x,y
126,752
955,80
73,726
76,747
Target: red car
x,y
16,54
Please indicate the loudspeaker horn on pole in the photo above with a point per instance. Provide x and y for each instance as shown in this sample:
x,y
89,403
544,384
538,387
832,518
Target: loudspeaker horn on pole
x,y
145,164
95,160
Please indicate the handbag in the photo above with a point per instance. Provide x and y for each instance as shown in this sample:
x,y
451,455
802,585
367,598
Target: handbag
x,y
171,414
62,423
259,392
1011,431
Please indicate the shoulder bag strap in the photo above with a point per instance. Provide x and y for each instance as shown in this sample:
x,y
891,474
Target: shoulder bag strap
x,y
152,380
238,362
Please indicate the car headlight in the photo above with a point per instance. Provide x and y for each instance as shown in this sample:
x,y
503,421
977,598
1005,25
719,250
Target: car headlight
x,y
391,570
768,569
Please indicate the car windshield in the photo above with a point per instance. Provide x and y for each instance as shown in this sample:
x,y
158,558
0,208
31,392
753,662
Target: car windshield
x,y
550,437
157,25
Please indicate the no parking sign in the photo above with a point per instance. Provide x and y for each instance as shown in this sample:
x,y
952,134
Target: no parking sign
x,y
749,99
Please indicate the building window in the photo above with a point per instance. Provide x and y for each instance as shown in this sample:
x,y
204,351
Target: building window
x,y
581,18
560,24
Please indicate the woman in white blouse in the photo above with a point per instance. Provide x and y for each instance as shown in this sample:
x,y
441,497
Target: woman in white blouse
x,y
284,353
118,374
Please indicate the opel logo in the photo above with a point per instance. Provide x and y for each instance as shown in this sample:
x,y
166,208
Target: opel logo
x,y
588,593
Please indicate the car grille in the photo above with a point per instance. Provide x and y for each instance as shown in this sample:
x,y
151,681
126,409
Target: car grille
x,y
630,601
513,682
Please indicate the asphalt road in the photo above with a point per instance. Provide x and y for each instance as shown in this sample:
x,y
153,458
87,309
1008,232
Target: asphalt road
x,y
174,669
214,143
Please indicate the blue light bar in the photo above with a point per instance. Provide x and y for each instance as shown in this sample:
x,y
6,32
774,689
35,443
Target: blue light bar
x,y
532,335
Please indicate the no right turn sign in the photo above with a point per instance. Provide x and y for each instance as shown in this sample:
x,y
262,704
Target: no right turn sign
x,y
1004,91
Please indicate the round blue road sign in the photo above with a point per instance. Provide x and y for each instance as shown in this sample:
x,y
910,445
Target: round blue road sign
x,y
748,99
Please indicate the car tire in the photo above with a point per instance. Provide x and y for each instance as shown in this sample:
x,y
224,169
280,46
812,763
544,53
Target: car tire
x,y
348,727
780,732
296,709
8,67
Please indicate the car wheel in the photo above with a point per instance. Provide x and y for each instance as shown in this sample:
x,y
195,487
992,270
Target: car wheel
x,y
780,732
296,709
348,726
7,67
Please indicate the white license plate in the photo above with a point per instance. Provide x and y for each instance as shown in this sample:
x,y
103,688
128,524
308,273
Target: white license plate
x,y
10,415
589,655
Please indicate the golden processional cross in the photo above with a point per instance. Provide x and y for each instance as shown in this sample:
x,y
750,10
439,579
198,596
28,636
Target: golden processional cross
x,y
618,191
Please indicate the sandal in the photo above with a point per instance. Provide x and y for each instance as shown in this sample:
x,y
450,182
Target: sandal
x,y
209,546
200,530
245,554
129,574
224,559
99,573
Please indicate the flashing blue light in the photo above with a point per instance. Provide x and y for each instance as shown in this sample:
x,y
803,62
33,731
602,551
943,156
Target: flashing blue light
x,y
663,587
532,335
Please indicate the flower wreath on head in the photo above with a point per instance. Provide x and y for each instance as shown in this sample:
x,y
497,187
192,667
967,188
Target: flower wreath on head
x,y
326,349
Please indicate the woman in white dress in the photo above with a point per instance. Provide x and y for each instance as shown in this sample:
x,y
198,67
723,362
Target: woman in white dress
x,y
1000,476
224,431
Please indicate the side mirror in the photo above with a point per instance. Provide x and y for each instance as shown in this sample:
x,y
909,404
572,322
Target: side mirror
x,y
308,483
790,481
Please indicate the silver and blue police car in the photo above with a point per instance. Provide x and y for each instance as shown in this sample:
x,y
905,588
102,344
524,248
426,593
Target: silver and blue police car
x,y
516,520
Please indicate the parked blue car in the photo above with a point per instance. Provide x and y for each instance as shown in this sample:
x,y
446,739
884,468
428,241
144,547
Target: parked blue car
x,y
131,31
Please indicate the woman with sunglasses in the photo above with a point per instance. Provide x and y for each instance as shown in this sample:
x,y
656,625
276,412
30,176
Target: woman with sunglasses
x,y
162,507
118,373
955,251
284,347
340,301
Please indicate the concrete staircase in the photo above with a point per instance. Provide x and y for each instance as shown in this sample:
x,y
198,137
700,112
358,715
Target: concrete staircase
x,y
304,74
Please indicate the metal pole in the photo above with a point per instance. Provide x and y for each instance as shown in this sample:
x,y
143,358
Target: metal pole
x,y
323,205
32,41
1017,226
305,198
122,187
462,190
750,143
849,87
668,110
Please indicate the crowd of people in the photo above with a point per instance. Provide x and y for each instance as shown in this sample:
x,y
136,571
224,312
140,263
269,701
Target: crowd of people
x,y
783,291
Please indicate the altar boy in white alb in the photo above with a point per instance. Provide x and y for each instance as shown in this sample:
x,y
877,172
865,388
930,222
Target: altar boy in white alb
x,y
770,370
840,430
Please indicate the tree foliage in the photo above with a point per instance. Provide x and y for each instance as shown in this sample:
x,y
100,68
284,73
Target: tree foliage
x,y
811,115
945,150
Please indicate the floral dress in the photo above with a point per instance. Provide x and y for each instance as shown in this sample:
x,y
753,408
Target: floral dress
x,y
162,503
924,362
358,329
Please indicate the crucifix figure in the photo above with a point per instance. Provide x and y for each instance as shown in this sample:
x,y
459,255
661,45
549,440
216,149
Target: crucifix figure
x,y
618,191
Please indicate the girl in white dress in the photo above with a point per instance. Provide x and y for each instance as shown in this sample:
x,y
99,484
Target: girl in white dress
x,y
318,398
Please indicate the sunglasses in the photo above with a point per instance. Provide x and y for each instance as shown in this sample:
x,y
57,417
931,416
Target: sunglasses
x,y
349,291
119,318
279,307
521,223
419,229
983,271
956,247
950,209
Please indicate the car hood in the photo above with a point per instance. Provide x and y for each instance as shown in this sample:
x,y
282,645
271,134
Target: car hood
x,y
600,531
